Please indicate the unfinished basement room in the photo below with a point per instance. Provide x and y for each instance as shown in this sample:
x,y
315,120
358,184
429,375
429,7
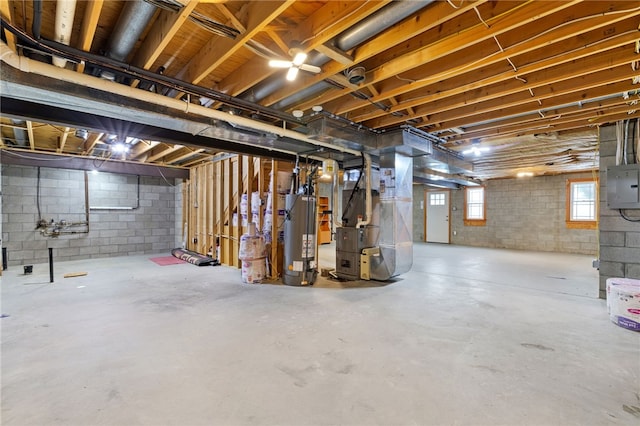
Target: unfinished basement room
x,y
320,212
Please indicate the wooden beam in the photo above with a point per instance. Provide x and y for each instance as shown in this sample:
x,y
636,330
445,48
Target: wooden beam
x,y
567,78
92,141
533,107
63,139
89,26
162,32
435,16
327,22
32,144
218,50
163,152
141,148
184,153
7,14
235,22
459,73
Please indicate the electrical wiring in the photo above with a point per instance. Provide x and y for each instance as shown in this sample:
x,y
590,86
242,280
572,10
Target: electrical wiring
x,y
627,218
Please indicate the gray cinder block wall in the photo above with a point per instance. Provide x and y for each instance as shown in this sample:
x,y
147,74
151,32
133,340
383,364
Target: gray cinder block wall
x,y
619,238
148,227
524,214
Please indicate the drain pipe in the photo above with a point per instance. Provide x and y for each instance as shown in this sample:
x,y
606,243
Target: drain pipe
x,y
367,195
27,65
65,11
337,221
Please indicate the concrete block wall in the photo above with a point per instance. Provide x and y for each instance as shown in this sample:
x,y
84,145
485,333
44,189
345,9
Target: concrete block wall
x,y
524,214
148,227
619,238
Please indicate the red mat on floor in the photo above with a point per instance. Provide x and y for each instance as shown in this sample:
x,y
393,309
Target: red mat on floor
x,y
166,260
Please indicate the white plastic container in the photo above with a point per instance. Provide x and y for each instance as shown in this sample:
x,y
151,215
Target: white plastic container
x,y
623,302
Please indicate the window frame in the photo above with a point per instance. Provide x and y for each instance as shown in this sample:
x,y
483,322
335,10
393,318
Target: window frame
x,y
581,224
475,222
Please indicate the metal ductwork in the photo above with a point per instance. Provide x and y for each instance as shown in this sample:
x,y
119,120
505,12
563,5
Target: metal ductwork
x,y
375,239
364,30
20,136
134,18
378,22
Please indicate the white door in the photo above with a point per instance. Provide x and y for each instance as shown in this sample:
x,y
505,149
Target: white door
x,y
437,212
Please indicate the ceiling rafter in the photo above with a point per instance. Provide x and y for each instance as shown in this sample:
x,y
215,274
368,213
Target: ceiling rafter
x,y
218,49
440,71
315,31
436,16
89,26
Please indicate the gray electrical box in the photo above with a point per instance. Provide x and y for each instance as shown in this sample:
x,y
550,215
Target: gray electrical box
x,y
622,186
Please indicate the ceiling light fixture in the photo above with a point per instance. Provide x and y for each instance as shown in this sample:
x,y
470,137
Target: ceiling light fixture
x,y
524,174
475,150
120,148
297,113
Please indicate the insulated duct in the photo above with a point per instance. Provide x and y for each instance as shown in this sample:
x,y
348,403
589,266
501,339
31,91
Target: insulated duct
x,y
65,11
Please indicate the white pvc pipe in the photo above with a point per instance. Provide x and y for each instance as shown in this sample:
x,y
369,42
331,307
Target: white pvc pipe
x,y
30,66
367,195
65,11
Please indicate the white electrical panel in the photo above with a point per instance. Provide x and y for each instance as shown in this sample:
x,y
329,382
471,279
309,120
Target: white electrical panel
x,y
622,186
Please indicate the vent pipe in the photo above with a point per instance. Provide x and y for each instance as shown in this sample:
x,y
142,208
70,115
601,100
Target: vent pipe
x,y
134,18
65,11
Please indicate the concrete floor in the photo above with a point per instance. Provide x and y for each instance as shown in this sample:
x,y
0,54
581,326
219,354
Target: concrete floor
x,y
469,336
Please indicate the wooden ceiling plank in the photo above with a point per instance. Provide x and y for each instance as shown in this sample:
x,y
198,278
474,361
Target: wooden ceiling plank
x,y
183,154
141,148
442,48
161,34
163,153
220,49
257,70
536,82
7,14
89,26
63,139
584,118
231,17
536,75
434,15
452,66
577,88
198,160
495,121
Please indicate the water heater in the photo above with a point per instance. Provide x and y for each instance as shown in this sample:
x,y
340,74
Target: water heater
x,y
300,239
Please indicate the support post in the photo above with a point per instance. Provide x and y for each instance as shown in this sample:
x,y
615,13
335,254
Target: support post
x,y
50,265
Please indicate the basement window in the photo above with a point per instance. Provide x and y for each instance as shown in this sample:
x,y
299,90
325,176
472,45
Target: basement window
x,y
582,203
475,208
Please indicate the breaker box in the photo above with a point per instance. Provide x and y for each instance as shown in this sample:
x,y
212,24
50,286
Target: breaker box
x,y
622,186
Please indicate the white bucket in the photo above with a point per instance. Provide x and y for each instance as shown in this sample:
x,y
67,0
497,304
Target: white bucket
x,y
623,302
